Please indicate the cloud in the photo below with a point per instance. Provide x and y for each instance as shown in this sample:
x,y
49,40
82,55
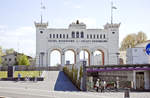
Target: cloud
x,y
21,39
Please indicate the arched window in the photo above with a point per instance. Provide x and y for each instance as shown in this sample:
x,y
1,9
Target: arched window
x,y
50,36
87,36
82,35
57,35
77,34
60,35
53,35
104,36
63,35
67,35
97,36
91,36
94,36
101,36
73,34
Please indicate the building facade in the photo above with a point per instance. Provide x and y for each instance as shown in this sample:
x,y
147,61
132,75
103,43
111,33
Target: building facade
x,y
11,59
77,38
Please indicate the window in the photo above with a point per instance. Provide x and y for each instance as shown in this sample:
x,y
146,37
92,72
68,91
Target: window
x,y
97,36
63,35
57,35
73,34
82,35
5,59
104,36
87,36
101,36
50,36
41,32
91,36
15,59
94,36
113,32
77,34
67,35
9,59
60,35
53,35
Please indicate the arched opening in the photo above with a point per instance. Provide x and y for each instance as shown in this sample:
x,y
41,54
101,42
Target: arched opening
x,y
98,57
85,55
55,58
69,57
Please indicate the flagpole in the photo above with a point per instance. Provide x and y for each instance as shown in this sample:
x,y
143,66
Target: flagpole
x,y
41,12
111,12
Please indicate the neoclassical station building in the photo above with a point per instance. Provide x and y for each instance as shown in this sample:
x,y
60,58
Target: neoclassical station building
x,y
77,38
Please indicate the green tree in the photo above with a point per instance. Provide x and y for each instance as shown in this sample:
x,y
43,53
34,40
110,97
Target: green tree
x,y
23,60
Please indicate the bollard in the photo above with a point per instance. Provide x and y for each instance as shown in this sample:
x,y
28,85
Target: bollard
x,y
126,94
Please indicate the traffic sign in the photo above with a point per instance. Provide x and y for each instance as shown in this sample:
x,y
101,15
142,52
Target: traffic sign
x,y
148,49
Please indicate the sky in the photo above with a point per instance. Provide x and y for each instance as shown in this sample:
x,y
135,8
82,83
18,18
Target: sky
x,y
17,18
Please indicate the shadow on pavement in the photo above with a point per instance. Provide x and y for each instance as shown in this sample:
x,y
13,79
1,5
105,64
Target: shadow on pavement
x,y
63,83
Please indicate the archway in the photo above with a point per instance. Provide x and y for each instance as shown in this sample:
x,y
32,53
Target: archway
x,y
55,58
70,57
98,57
85,55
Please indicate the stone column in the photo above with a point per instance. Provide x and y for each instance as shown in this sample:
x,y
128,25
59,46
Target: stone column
x,y
77,58
134,79
146,80
49,58
62,58
92,59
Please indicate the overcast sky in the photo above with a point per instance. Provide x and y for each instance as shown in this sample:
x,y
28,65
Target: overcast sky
x,y
17,18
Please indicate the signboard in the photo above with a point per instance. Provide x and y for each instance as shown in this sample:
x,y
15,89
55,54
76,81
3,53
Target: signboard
x,y
148,49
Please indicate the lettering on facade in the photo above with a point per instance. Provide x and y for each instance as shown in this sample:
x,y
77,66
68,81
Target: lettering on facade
x,y
82,41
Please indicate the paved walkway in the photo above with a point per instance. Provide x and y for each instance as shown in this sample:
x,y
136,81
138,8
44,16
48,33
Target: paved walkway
x,y
53,81
56,85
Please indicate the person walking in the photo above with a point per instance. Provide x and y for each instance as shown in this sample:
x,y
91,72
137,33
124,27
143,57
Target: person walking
x,y
19,76
97,85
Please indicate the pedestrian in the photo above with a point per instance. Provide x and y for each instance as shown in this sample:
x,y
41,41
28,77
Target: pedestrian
x,y
97,85
19,76
104,85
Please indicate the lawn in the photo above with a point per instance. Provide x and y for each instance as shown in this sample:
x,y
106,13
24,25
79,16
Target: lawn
x,y
3,74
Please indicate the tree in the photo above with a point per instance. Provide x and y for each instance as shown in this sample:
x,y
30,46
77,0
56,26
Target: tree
x,y
9,51
128,42
141,37
23,60
132,39
1,52
0,60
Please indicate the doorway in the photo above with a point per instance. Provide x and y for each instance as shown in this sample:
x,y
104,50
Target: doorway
x,y
139,80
